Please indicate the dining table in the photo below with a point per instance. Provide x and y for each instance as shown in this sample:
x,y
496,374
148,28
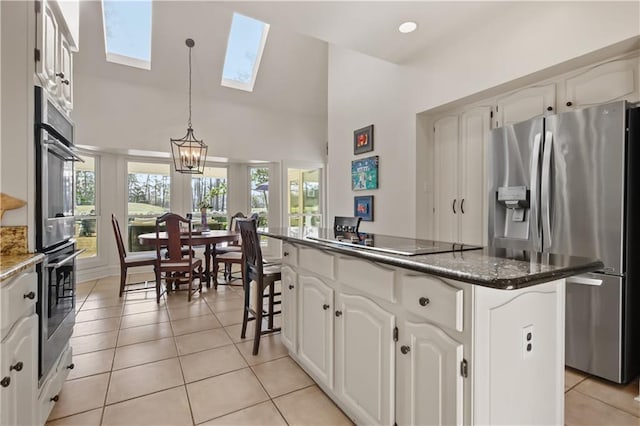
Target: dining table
x,y
208,239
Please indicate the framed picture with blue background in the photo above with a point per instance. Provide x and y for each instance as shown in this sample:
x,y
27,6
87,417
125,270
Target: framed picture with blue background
x,y
363,207
364,173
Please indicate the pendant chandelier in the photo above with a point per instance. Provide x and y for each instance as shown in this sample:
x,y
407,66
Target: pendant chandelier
x,y
189,153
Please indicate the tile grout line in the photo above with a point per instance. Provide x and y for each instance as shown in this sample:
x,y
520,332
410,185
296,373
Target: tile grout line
x,y
607,403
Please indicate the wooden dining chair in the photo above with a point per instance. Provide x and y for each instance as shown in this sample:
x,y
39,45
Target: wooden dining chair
x,y
176,266
131,261
231,254
264,277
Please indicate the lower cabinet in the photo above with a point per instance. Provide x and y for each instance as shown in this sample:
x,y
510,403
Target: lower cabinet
x,y
19,373
429,380
289,309
315,322
364,358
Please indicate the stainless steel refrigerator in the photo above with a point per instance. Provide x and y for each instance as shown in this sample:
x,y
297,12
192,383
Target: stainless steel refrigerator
x,y
568,184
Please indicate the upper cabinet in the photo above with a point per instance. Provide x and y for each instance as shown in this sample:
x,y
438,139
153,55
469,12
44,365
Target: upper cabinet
x,y
602,83
55,44
525,104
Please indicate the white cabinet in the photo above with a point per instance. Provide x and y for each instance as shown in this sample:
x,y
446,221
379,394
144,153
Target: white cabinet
x,y
289,308
18,349
429,379
365,371
603,83
460,143
54,59
19,373
525,104
315,320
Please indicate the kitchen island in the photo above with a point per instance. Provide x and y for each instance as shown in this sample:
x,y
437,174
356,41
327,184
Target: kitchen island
x,y
457,336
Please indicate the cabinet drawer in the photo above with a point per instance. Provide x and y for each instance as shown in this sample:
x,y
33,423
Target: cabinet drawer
x,y
316,261
289,254
367,277
433,299
53,385
15,298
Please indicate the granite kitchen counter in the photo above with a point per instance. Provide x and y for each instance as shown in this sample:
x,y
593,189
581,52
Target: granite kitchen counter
x,y
13,264
496,268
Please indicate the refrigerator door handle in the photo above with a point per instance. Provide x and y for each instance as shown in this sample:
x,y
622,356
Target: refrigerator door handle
x,y
584,280
535,184
546,189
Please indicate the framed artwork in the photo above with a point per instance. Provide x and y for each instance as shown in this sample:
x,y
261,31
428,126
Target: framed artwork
x,y
364,173
363,140
363,207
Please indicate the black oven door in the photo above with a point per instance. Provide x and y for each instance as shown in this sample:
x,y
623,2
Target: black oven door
x,y
56,303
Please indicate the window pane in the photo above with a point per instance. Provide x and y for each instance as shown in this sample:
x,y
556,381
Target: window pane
x,y
127,30
247,38
304,197
260,193
85,207
209,190
149,197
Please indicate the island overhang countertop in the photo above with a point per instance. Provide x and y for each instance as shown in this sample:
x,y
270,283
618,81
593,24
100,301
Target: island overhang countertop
x,y
490,267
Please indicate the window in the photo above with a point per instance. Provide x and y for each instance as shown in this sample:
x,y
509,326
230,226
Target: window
x,y
210,190
259,177
303,197
247,38
149,197
127,32
86,233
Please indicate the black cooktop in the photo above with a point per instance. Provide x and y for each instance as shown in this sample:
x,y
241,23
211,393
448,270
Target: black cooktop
x,y
388,243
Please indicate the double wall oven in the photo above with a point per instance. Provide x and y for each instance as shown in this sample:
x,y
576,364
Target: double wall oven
x,y
55,157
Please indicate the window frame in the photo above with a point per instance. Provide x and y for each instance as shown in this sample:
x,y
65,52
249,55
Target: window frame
x,y
120,59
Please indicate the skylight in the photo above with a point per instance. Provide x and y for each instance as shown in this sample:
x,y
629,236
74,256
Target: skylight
x,y
247,38
127,32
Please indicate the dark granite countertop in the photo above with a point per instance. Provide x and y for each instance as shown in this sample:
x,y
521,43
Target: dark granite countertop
x,y
497,268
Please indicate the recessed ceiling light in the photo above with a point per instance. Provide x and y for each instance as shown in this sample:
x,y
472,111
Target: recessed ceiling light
x,y
407,27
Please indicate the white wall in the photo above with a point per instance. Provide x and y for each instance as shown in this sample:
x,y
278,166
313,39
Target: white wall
x,y
363,90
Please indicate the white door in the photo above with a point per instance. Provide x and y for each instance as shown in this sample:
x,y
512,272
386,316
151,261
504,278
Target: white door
x,y
316,327
47,66
525,104
365,373
429,386
474,133
289,311
603,83
446,203
19,372
66,78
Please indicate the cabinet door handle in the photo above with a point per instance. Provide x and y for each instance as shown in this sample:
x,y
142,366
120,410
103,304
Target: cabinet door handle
x,y
71,366
424,301
31,295
55,398
405,349
6,381
60,74
65,82
569,103
285,254
462,206
338,313
291,287
325,306
454,206
17,366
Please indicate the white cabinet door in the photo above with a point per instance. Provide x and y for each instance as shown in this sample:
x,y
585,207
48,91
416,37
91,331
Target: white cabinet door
x,y
525,104
474,133
446,134
315,303
365,373
66,78
430,386
603,83
47,44
19,374
289,308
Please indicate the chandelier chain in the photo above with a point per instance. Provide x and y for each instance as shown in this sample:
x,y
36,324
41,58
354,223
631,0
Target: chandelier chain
x,y
189,122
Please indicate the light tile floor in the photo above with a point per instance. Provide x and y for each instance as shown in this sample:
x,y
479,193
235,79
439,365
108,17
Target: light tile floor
x,y
180,363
